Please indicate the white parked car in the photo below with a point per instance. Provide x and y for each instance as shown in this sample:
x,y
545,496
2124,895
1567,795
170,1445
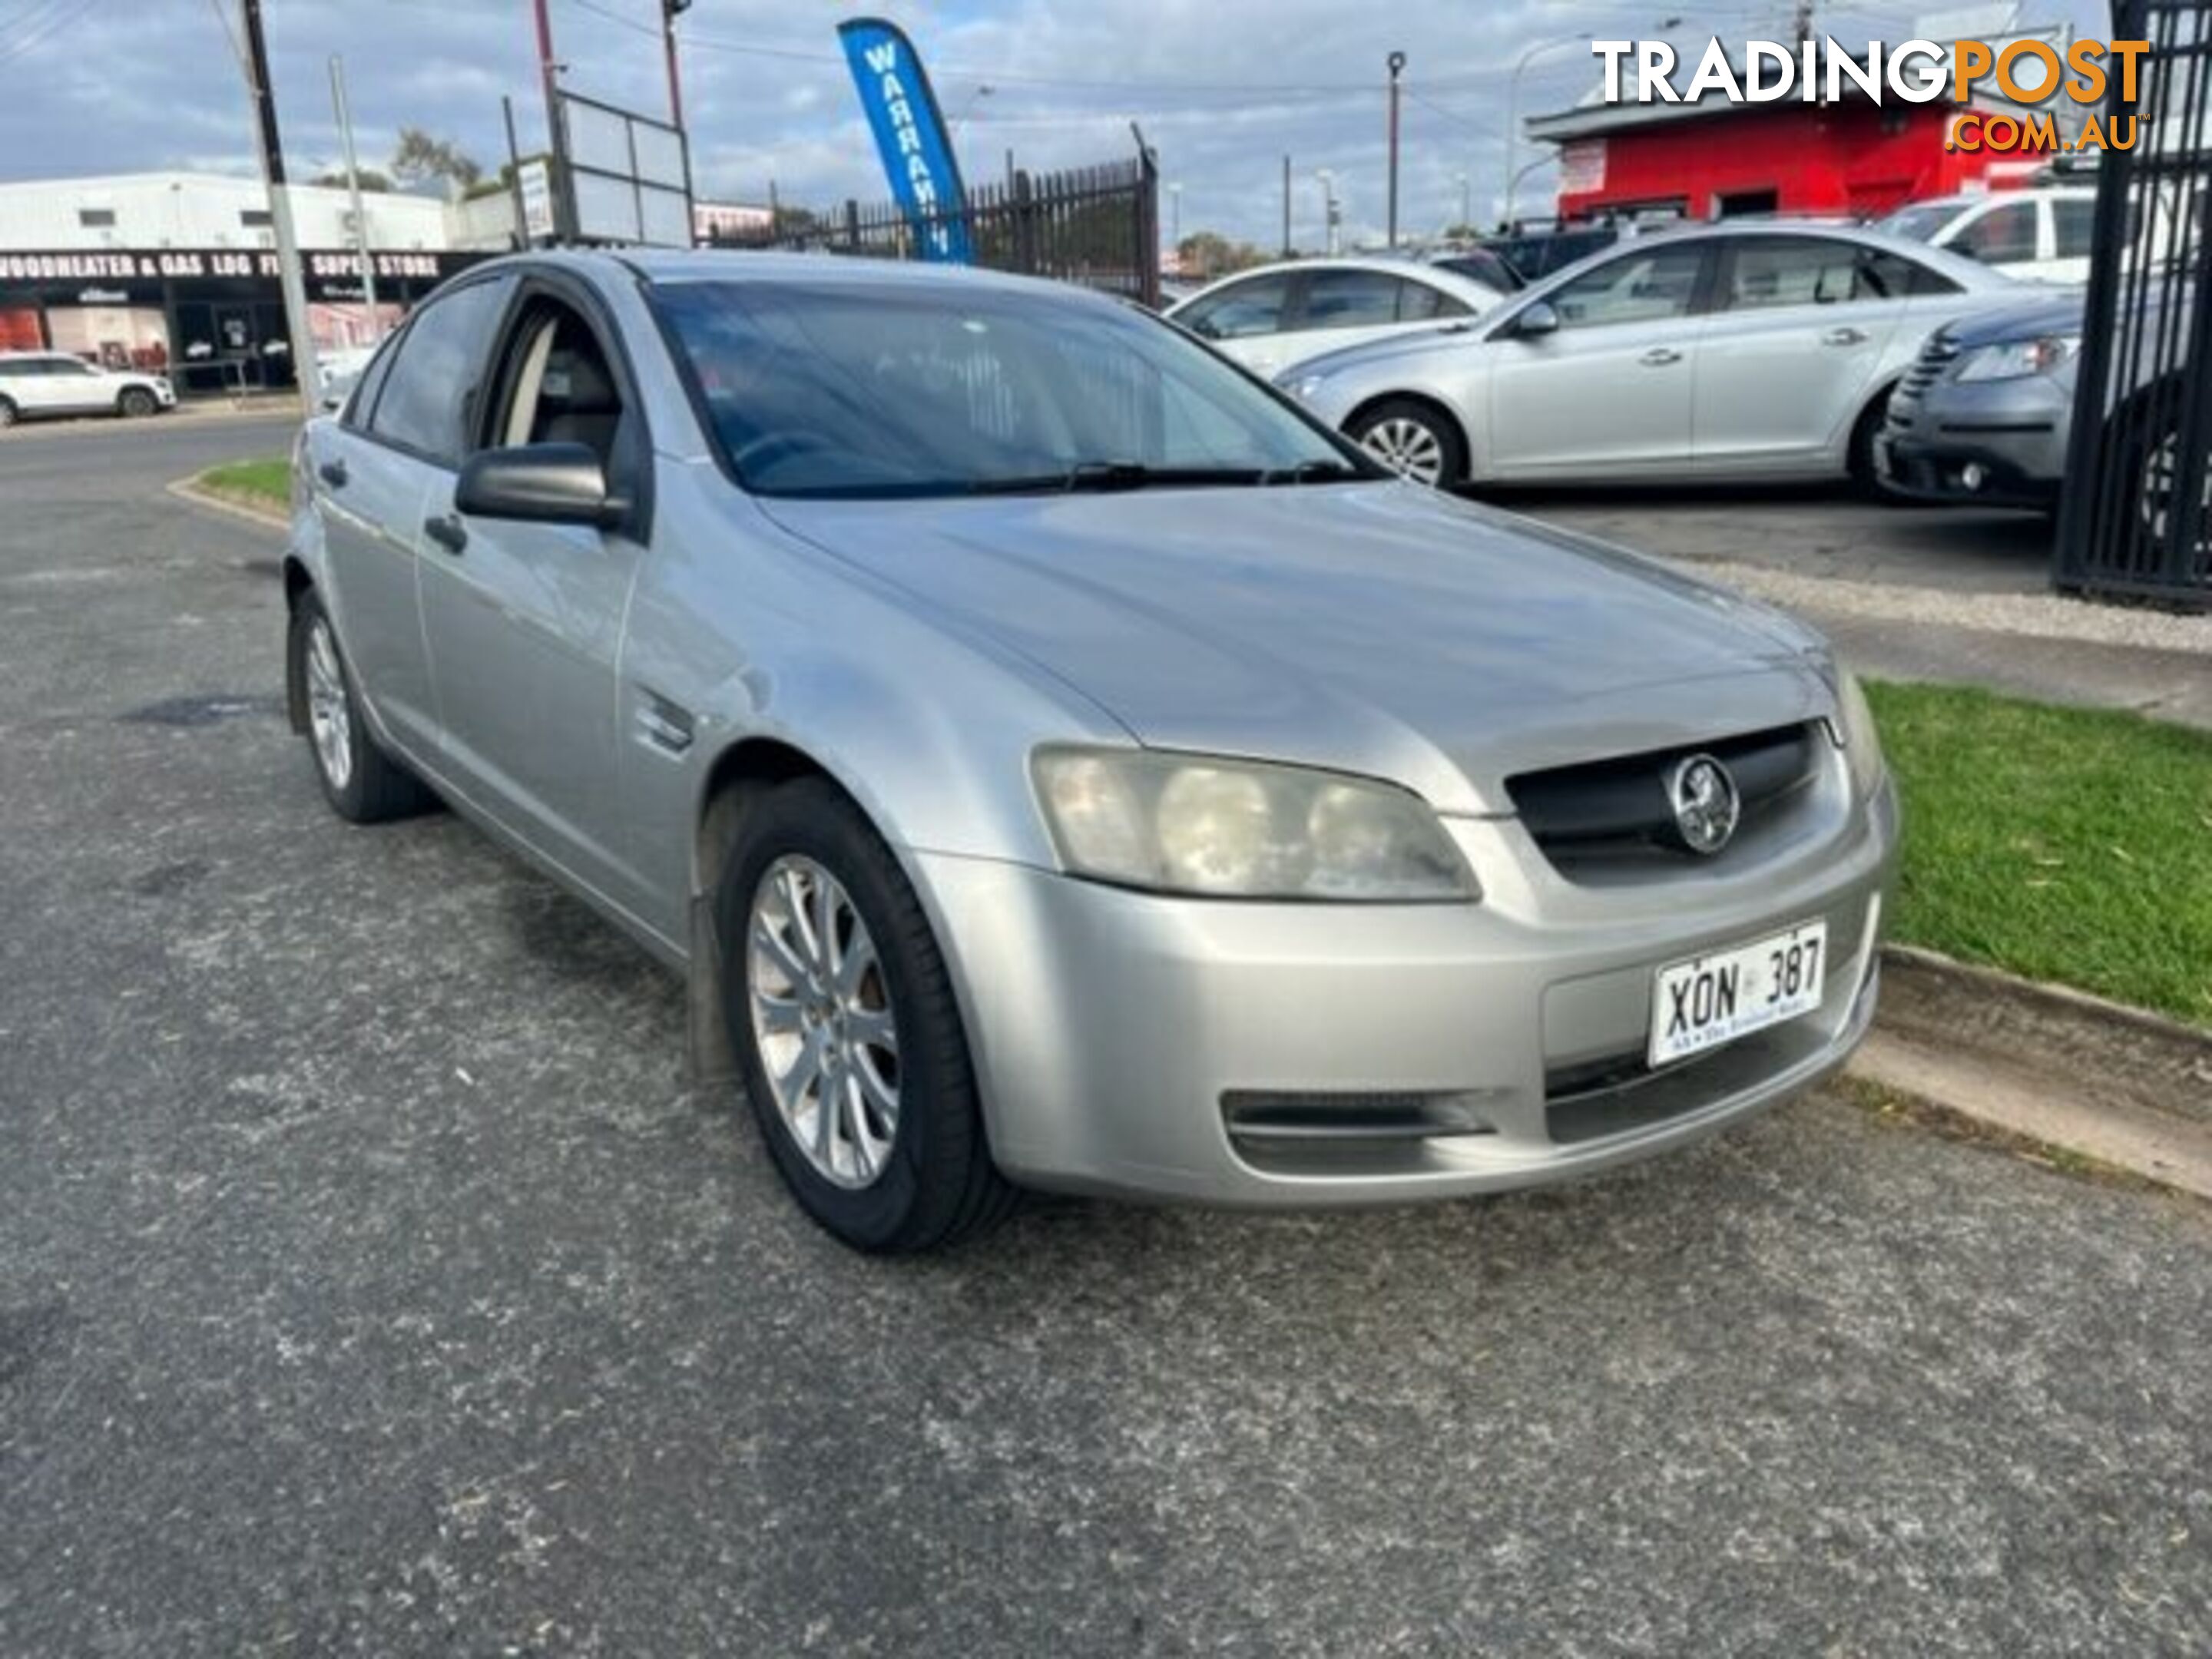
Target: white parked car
x,y
1278,316
2040,235
35,384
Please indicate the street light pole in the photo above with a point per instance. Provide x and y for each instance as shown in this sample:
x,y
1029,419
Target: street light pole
x,y
1328,209
1466,202
301,339
353,184
1175,217
1513,98
1397,62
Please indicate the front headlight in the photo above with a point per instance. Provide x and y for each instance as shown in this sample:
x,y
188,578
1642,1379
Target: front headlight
x,y
1855,731
2018,360
1225,829
1304,387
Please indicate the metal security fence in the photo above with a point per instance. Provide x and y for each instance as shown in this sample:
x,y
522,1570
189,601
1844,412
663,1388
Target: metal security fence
x,y
2136,517
1097,226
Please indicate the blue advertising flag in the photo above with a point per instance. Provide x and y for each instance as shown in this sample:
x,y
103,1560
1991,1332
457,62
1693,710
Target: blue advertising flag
x,y
910,136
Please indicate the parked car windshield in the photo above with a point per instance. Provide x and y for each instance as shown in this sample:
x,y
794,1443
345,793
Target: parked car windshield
x,y
885,389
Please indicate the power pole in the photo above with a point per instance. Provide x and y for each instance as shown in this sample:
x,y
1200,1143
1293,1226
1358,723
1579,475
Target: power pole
x,y
549,75
353,183
305,371
669,12
1397,61
1287,207
1803,25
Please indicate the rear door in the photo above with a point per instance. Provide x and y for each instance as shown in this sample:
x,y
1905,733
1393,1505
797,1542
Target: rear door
x,y
1801,326
74,386
1609,392
525,621
374,474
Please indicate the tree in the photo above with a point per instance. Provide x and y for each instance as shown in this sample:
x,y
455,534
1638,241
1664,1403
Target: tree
x,y
373,183
420,157
1207,253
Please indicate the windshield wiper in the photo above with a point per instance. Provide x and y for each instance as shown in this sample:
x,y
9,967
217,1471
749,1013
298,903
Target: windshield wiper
x,y
1100,476
1312,472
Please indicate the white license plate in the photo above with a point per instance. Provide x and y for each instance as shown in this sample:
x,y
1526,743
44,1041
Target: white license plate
x,y
1701,1004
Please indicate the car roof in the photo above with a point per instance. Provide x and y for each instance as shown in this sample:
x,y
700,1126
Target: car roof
x,y
1968,273
1391,265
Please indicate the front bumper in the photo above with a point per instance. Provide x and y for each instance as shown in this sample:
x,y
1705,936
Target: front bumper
x,y
1285,1055
1997,444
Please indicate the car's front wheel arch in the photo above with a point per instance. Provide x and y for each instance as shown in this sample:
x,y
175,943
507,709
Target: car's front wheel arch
x,y
1454,441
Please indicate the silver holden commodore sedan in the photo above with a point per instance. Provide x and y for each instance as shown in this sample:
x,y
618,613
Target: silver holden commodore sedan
x,y
1056,761
1744,351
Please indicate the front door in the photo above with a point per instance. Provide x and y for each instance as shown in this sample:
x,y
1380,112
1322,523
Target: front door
x,y
525,621
1608,391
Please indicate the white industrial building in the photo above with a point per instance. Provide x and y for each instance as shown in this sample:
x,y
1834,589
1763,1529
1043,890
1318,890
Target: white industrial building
x,y
140,211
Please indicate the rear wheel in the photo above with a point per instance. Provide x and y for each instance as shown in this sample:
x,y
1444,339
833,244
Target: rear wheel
x,y
362,784
846,1030
135,403
1415,440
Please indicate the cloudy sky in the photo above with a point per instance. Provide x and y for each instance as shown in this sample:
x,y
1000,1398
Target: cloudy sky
x,y
1224,89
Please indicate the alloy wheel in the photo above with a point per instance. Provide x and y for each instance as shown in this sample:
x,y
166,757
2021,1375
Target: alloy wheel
x,y
2159,496
823,1019
329,710
1407,447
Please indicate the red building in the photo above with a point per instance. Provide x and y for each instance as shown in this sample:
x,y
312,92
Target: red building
x,y
1713,158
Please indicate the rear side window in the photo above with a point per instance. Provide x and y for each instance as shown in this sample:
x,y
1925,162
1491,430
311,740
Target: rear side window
x,y
1253,308
2074,218
1349,299
1418,303
430,391
371,382
1767,271
1885,275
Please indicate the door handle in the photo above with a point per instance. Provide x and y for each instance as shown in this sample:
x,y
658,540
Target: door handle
x,y
1660,357
333,474
447,532
1844,337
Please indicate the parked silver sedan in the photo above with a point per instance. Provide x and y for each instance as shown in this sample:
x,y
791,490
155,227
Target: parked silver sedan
x,y
1055,761
1742,351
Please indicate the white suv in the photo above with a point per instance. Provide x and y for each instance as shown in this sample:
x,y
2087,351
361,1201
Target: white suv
x,y
2039,235
33,384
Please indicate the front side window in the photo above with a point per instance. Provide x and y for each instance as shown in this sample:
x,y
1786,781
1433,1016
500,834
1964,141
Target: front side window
x,y
889,390
1653,286
1236,313
2003,236
430,390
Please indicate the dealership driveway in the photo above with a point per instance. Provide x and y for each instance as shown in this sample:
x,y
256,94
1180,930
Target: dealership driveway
x,y
370,1283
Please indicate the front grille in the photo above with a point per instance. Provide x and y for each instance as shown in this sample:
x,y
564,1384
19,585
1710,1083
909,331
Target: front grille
x,y
1620,808
1938,354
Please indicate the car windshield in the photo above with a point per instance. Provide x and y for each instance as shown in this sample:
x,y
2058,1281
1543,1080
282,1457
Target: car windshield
x,y
855,390
1923,223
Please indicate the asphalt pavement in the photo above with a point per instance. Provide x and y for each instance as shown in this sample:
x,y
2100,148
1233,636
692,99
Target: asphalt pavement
x,y
370,1283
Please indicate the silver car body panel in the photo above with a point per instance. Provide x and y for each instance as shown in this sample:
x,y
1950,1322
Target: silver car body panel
x,y
588,688
1768,392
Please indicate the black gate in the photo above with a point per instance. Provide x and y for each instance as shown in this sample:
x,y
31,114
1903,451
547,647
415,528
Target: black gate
x,y
2136,519
1097,226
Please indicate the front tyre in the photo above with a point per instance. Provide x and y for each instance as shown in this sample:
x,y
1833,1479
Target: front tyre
x,y
1414,439
135,404
842,1016
362,784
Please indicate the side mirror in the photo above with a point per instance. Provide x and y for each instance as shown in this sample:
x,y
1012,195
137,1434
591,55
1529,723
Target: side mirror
x,y
539,483
1539,319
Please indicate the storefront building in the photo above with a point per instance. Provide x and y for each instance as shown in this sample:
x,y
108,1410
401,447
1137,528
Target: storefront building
x,y
176,273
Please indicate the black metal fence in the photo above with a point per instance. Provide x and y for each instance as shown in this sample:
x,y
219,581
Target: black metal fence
x,y
2136,517
1098,226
